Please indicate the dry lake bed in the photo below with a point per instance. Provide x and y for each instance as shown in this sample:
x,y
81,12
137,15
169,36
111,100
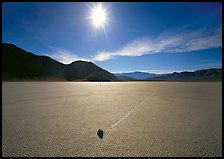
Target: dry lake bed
x,y
138,118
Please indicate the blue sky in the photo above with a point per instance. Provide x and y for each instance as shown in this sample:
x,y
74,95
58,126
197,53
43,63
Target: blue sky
x,y
137,36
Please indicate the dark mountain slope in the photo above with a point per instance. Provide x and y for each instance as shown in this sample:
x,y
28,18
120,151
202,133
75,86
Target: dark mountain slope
x,y
18,64
86,71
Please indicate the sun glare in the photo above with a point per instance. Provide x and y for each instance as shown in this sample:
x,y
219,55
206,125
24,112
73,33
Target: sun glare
x,y
98,16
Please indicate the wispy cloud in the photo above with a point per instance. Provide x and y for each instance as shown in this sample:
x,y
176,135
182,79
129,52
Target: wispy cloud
x,y
182,41
64,56
168,42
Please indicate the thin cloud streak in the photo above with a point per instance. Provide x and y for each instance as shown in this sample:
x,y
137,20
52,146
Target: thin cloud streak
x,y
64,56
184,41
200,39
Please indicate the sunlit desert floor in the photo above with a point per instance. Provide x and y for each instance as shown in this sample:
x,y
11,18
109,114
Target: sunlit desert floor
x,y
140,118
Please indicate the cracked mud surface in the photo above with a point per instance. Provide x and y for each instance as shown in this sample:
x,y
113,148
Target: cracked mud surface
x,y
62,118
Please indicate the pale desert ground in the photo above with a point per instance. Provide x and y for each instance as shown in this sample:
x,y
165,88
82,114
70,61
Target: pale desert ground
x,y
140,118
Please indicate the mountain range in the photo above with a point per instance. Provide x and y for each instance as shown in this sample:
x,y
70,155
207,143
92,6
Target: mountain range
x,y
137,75
18,64
213,74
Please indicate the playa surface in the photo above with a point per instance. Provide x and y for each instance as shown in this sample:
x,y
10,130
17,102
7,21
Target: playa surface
x,y
138,118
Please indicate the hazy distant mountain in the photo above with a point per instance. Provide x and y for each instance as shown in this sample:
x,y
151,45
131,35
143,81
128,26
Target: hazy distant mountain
x,y
125,78
205,75
18,64
136,75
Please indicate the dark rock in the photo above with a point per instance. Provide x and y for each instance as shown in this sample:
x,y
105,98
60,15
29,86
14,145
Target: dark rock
x,y
100,133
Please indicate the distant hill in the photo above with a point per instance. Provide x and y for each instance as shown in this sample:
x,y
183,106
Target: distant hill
x,y
212,74
136,75
87,71
125,78
18,64
199,75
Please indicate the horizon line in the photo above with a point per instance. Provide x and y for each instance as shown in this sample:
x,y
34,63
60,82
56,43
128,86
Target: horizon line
x,y
163,71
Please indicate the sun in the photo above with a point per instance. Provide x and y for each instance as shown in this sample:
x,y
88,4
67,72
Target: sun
x,y
98,16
